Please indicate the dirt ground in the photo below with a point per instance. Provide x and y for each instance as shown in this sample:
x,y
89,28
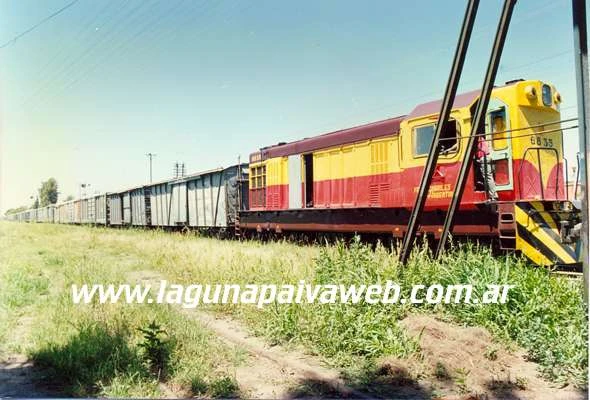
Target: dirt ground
x,y
17,379
466,362
274,372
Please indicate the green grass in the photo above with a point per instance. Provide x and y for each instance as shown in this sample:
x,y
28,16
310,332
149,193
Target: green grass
x,y
94,350
38,263
545,314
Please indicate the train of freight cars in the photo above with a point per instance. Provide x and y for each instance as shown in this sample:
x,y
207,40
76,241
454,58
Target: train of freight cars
x,y
365,179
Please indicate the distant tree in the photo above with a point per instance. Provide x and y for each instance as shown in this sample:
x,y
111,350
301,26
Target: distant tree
x,y
15,210
35,203
70,197
48,192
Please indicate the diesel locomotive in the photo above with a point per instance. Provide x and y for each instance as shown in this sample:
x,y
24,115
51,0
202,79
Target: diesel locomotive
x,y
366,178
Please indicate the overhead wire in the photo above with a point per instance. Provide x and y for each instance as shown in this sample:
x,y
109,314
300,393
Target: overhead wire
x,y
38,24
81,36
70,68
80,76
146,27
480,135
210,12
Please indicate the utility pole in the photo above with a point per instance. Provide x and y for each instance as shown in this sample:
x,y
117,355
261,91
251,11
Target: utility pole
x,y
83,186
179,169
582,84
151,156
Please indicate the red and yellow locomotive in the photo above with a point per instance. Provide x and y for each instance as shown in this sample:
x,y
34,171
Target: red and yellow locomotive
x,y
365,178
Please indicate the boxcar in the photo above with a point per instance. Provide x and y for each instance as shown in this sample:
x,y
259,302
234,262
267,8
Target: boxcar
x,y
28,216
139,203
128,207
46,214
203,200
87,211
100,209
115,205
65,213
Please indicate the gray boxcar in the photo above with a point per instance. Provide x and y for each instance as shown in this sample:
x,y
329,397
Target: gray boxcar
x,y
115,204
203,200
65,213
100,209
129,207
46,214
87,211
140,206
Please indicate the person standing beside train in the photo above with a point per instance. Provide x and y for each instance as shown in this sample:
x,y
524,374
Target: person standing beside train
x,y
485,168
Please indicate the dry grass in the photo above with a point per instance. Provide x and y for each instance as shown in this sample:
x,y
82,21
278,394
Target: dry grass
x,y
39,263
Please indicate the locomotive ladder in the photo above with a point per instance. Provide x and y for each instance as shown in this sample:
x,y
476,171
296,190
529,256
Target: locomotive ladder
x,y
477,123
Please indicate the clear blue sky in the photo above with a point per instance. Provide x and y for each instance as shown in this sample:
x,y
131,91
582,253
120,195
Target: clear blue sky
x,y
88,93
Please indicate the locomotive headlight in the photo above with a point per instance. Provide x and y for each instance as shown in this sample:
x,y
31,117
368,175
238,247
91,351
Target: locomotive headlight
x,y
557,97
530,92
546,94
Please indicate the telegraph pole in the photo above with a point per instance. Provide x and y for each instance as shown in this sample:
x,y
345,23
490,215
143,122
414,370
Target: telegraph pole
x,y
582,83
83,186
151,156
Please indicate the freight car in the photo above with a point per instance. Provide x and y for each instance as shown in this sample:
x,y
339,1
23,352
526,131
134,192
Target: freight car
x,y
204,200
46,214
366,178
208,200
65,213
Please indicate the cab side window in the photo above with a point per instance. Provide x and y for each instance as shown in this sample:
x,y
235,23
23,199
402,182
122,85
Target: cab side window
x,y
449,139
423,139
497,121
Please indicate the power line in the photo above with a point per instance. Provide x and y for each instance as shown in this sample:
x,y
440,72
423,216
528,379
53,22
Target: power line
x,y
70,68
53,64
535,133
122,45
38,24
148,28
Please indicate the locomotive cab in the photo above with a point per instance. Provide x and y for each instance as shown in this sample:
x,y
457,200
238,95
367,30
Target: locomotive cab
x,y
535,215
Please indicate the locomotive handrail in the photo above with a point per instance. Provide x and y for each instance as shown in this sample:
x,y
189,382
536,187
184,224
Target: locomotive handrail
x,y
567,194
538,149
577,176
514,130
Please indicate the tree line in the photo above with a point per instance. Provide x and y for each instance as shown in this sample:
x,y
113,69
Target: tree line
x,y
47,194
